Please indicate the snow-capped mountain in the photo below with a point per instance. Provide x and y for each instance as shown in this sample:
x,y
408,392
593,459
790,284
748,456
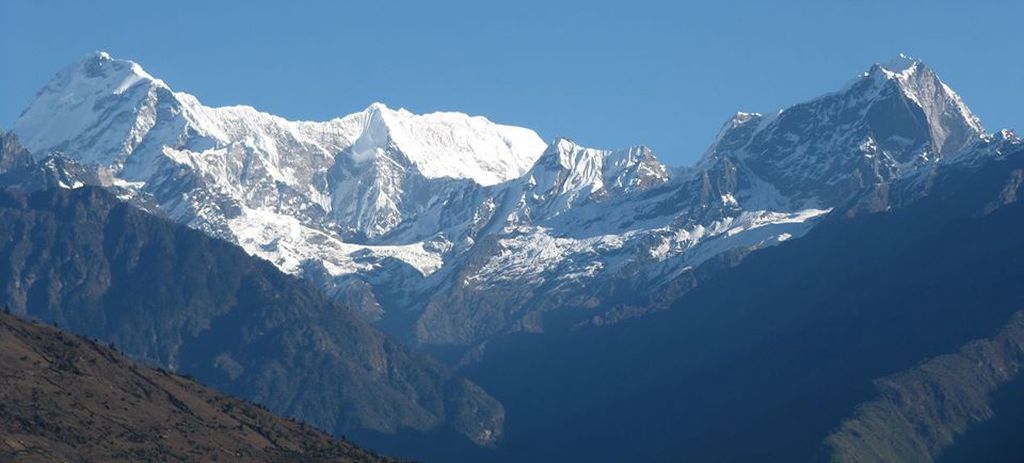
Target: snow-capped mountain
x,y
288,191
765,179
894,117
450,229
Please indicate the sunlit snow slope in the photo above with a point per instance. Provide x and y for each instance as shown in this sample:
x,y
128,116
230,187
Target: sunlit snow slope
x,y
450,229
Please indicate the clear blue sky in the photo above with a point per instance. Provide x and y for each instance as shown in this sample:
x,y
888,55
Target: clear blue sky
x,y
665,74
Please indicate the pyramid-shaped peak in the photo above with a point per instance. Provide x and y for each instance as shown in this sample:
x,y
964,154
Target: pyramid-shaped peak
x,y
379,107
901,68
89,94
101,65
902,63
564,144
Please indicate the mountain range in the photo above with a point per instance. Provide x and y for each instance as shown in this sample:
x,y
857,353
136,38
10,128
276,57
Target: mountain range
x,y
448,230
889,332
592,293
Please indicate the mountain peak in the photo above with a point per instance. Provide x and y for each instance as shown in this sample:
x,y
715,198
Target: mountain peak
x,y
450,144
568,173
900,68
383,107
921,84
565,153
378,108
81,101
93,60
891,118
98,55
563,144
100,65
570,154
101,107
901,63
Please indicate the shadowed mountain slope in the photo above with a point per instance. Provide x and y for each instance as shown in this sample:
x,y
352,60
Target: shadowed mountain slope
x,y
767,359
175,297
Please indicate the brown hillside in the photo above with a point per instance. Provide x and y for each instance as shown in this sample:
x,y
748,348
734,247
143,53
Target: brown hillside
x,y
64,398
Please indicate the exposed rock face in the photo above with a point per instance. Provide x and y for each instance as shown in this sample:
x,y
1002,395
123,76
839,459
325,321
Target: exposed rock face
x,y
12,154
892,119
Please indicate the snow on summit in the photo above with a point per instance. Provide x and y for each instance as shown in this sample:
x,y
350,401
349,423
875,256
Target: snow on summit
x,y
901,63
466,228
292,192
449,144
77,101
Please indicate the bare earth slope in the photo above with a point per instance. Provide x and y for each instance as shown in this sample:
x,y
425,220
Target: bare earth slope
x,y
67,398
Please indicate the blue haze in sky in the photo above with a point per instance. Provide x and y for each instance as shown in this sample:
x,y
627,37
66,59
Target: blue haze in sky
x,y
607,74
